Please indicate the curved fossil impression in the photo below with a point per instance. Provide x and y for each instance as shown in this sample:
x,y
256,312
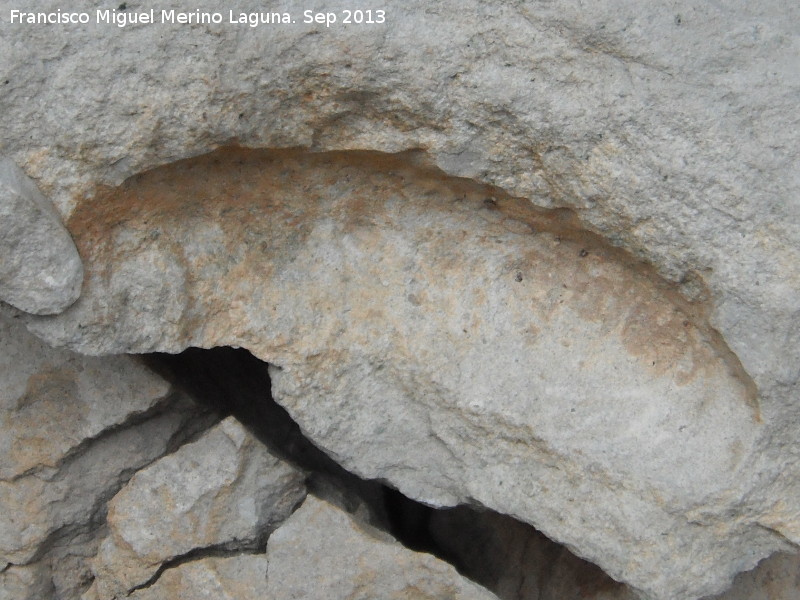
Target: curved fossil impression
x,y
435,333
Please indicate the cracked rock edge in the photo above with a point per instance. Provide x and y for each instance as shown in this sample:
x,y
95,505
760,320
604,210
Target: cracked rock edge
x,y
261,230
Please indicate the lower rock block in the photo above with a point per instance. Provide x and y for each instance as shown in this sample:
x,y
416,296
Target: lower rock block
x,y
223,492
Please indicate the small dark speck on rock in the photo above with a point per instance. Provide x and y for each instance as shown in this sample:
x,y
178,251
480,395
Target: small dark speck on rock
x,y
518,276
6,82
123,6
583,253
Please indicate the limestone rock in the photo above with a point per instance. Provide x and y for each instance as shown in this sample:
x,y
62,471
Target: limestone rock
x,y
29,582
38,514
516,562
40,270
72,430
775,578
670,127
52,401
321,553
224,490
234,578
450,339
64,444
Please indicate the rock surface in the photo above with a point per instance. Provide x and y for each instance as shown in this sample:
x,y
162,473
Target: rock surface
x,y
775,578
40,270
354,562
52,401
670,128
234,578
72,431
30,582
516,562
319,553
224,490
452,340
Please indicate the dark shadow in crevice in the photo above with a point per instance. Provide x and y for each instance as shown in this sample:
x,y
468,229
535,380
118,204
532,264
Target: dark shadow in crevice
x,y
506,556
231,381
230,549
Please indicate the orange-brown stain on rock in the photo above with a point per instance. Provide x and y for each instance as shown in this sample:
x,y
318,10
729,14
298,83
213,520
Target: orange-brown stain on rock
x,y
266,203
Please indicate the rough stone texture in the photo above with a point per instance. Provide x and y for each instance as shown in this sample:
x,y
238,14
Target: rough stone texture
x,y
452,340
224,490
72,430
670,127
40,270
56,522
51,403
233,578
353,561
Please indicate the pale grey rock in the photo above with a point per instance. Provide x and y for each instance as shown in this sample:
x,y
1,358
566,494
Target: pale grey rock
x,y
233,578
454,341
223,490
54,405
61,569
41,515
68,560
40,270
322,553
671,128
52,401
516,562
72,431
319,553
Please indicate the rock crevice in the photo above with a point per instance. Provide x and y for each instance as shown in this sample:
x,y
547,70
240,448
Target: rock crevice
x,y
437,334
470,322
